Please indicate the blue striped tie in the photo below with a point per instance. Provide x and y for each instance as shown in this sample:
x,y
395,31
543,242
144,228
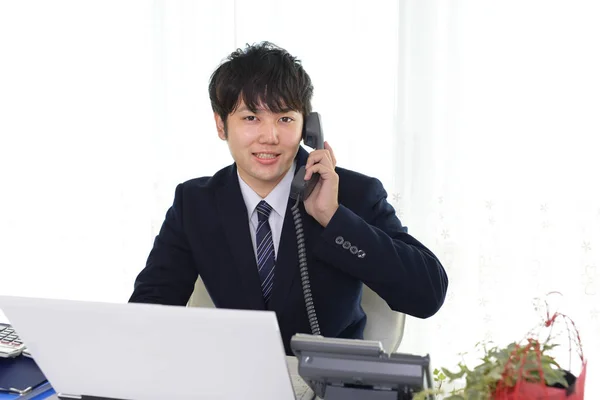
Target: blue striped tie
x,y
265,251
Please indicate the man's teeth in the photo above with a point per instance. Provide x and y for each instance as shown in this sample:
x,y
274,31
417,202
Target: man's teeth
x,y
265,155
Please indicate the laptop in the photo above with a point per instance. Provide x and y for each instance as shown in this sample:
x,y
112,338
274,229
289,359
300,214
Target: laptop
x,y
147,352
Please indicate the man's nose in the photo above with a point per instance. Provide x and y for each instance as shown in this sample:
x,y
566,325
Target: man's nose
x,y
269,134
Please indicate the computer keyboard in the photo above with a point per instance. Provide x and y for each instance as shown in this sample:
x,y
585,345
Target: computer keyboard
x,y
10,343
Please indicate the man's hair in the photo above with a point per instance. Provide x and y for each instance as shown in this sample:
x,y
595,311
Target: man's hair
x,y
262,74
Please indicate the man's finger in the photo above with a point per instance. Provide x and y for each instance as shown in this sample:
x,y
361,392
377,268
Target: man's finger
x,y
319,157
322,169
328,148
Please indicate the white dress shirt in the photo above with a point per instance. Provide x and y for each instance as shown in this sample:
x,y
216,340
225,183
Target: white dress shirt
x,y
277,199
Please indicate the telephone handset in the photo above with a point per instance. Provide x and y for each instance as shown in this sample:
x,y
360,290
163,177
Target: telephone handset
x,y
312,135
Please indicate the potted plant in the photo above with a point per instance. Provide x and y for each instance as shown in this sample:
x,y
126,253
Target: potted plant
x,y
519,371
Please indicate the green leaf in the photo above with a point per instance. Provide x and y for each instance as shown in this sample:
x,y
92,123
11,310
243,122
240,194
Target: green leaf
x,y
495,373
455,397
453,375
555,376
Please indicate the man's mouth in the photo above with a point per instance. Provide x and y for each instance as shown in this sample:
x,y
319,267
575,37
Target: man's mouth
x,y
266,156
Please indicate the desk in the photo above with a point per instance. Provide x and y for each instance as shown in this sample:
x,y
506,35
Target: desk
x,y
292,365
303,392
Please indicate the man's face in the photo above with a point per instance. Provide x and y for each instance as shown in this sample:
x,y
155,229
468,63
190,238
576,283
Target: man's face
x,y
263,144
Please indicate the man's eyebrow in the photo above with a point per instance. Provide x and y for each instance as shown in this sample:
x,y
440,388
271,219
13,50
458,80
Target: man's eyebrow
x,y
245,108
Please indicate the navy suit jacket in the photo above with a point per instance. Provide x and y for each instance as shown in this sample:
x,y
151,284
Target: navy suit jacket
x,y
206,232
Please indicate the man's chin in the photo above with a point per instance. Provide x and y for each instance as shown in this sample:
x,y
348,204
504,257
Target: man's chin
x,y
272,178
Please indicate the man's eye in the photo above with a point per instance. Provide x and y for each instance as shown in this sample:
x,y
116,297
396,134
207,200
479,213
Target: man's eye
x,y
250,118
286,119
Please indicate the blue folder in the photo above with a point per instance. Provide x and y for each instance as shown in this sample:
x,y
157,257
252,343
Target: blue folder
x,y
21,373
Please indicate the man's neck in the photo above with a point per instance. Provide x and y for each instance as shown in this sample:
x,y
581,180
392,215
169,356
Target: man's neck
x,y
261,188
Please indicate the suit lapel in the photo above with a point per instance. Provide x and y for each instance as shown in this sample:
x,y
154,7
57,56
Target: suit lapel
x,y
287,268
232,212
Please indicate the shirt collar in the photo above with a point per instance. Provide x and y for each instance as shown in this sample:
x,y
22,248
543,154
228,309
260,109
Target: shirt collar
x,y
277,199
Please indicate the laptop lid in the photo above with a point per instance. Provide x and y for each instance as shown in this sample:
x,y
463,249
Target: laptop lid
x,y
143,351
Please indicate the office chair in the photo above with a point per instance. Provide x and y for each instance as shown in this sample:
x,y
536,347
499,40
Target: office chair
x,y
383,324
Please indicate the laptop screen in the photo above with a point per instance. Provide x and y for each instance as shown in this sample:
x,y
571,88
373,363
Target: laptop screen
x,y
143,351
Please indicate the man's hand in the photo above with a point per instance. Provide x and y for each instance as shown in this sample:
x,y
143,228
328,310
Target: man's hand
x,y
323,201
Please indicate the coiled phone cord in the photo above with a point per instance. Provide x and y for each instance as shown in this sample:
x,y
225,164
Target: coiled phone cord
x,y
308,300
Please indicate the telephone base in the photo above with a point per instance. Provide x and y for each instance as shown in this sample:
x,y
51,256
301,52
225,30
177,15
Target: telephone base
x,y
351,369
350,393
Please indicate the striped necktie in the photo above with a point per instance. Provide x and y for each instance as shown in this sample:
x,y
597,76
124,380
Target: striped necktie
x,y
265,250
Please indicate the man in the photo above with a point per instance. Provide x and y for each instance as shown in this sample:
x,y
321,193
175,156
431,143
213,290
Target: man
x,y
235,229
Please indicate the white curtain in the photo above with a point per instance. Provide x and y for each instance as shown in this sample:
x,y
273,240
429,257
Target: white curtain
x,y
479,117
497,167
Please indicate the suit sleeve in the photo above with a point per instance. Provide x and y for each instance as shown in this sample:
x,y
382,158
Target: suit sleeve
x,y
376,249
169,275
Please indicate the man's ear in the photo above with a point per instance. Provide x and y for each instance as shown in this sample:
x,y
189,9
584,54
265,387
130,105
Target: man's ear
x,y
220,126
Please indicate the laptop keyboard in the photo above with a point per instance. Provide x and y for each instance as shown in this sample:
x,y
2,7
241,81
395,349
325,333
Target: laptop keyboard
x,y
10,343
